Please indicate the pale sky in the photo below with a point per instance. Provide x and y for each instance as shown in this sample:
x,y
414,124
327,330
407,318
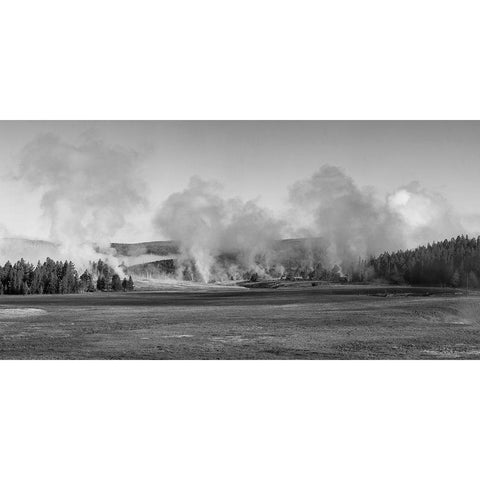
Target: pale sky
x,y
259,160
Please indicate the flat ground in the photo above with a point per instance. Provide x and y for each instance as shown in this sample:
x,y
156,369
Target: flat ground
x,y
287,323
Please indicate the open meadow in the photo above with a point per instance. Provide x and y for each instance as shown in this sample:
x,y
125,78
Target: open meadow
x,y
344,322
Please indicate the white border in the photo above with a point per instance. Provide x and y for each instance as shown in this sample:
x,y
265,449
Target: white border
x,y
249,59
237,420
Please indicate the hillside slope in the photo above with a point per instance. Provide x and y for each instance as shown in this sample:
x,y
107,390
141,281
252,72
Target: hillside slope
x,y
161,248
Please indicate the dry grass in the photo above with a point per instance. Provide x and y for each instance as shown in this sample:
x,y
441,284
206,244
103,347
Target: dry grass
x,y
258,324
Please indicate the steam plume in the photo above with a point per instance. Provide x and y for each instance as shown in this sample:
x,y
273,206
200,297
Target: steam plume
x,y
356,224
427,216
207,226
88,189
224,238
352,220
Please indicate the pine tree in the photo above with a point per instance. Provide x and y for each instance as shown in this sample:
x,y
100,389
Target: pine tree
x,y
101,283
116,283
86,282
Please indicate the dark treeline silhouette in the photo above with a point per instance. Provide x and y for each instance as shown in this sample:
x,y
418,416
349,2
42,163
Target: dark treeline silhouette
x,y
23,278
453,263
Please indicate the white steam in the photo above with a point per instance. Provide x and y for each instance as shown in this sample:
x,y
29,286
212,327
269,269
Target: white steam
x,y
427,216
354,223
207,226
357,224
225,238
87,191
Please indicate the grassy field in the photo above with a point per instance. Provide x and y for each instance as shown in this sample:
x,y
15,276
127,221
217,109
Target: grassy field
x,y
345,322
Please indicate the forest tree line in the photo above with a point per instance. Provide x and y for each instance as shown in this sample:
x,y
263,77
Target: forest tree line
x,y
453,263
23,278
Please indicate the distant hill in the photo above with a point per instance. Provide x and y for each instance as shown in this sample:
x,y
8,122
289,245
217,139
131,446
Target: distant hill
x,y
13,249
11,241
162,248
158,257
169,247
152,269
297,255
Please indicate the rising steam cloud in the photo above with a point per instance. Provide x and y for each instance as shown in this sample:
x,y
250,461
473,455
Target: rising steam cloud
x,y
224,238
357,224
427,216
352,220
207,226
87,191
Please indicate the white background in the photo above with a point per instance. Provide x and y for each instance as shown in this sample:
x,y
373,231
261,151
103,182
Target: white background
x,y
239,60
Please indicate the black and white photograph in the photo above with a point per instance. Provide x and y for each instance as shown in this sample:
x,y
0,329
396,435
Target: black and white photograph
x,y
240,240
